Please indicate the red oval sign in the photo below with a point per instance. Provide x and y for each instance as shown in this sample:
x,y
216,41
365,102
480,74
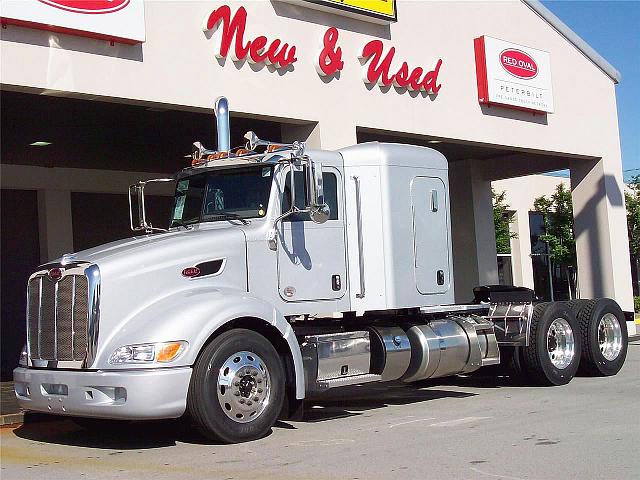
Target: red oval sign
x,y
88,6
191,272
55,274
518,63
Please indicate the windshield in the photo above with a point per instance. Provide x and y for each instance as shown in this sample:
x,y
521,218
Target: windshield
x,y
237,193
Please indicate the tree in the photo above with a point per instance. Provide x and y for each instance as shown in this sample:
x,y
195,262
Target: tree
x,y
558,221
502,219
632,199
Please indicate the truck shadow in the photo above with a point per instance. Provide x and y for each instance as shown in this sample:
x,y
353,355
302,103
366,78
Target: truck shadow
x,y
124,436
359,399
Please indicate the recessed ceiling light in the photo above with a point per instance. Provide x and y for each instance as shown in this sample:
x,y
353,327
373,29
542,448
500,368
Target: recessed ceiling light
x,y
434,141
40,144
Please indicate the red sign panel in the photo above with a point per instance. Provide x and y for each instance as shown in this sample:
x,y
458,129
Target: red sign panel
x,y
88,6
518,63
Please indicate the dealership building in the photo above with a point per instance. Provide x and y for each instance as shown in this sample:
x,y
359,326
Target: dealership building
x,y
97,95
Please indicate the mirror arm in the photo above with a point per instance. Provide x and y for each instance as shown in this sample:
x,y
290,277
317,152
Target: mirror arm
x,y
142,214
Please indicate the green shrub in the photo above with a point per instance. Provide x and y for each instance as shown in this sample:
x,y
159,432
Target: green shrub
x,y
636,304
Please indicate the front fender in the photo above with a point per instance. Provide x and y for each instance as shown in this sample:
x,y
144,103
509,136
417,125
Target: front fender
x,y
194,315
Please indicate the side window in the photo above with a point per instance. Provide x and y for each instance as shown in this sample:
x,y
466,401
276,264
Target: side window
x,y
330,183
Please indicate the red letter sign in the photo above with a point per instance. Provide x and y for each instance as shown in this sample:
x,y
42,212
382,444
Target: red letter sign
x,y
279,54
378,70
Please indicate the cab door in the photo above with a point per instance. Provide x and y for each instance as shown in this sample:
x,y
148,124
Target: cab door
x,y
311,256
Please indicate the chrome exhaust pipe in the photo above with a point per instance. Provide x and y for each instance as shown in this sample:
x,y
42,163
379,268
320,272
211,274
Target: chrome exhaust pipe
x,y
221,110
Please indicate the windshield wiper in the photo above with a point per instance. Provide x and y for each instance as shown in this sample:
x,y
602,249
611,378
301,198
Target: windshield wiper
x,y
228,216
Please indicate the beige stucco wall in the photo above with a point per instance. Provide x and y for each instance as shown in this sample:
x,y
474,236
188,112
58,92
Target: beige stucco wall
x,y
177,66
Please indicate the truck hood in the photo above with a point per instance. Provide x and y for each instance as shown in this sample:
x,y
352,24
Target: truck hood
x,y
177,244
137,273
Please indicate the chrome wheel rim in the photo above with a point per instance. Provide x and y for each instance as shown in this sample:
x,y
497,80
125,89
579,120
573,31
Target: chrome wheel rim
x,y
244,387
560,343
610,336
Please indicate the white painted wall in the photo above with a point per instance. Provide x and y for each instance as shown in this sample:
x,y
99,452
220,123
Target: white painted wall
x,y
176,66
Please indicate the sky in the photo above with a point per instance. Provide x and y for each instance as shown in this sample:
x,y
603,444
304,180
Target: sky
x,y
612,28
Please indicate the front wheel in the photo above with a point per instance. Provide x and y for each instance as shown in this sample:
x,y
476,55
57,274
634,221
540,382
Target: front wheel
x,y
553,354
237,387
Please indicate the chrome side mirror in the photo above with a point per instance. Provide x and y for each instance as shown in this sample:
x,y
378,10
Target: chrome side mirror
x,y
319,211
137,211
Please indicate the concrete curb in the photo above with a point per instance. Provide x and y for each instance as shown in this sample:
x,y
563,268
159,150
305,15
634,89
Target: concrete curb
x,y
11,419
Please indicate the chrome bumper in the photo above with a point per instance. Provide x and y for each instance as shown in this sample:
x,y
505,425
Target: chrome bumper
x,y
127,394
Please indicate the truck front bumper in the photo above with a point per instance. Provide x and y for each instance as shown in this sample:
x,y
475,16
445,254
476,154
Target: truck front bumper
x,y
125,394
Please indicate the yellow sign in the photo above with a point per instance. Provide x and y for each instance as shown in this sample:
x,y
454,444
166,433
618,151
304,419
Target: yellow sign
x,y
386,8
381,9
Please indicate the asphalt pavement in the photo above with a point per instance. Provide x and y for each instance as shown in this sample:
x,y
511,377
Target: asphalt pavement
x,y
460,428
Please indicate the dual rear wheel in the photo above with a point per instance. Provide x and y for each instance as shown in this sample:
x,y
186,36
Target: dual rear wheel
x,y
586,336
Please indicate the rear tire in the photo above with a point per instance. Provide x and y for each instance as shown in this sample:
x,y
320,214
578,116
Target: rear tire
x,y
553,354
603,329
237,387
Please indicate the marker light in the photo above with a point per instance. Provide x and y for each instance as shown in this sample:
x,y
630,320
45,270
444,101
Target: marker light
x,y
217,156
148,353
273,147
166,352
242,151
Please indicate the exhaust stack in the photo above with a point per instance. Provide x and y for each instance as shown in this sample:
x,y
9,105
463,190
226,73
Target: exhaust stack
x,y
221,110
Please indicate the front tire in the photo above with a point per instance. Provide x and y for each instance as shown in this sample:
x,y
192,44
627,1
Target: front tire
x,y
237,387
553,354
604,336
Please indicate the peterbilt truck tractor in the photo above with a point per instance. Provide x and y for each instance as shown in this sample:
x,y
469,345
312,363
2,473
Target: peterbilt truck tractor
x,y
285,272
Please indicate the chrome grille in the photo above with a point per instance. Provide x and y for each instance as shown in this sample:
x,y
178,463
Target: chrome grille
x,y
58,318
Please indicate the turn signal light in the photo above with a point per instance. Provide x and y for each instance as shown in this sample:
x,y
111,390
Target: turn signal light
x,y
273,147
165,352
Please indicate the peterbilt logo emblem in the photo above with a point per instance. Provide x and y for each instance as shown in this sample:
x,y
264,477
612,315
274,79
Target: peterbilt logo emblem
x,y
518,63
55,274
88,6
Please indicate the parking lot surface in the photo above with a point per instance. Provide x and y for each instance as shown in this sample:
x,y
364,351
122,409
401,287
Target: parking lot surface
x,y
465,427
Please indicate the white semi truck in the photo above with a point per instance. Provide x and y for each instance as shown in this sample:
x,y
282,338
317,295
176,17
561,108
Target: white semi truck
x,y
285,272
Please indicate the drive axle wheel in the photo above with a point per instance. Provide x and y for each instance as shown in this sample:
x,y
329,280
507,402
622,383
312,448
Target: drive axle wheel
x,y
237,387
604,336
553,354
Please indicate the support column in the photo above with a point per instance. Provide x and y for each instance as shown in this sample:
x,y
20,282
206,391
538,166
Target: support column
x,y
473,233
55,223
521,250
602,244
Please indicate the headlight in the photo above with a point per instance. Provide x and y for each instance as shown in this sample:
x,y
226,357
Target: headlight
x,y
24,357
148,353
